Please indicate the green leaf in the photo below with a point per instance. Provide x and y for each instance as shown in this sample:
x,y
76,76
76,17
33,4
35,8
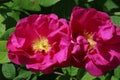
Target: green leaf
x,y
1,18
88,76
110,5
9,4
2,26
2,29
3,52
72,71
32,5
3,46
109,75
8,71
114,78
34,78
4,57
14,15
47,3
23,74
7,33
77,2
117,72
102,77
81,72
115,20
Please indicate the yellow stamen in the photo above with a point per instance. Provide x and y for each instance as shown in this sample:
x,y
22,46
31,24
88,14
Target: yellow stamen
x,y
41,45
90,40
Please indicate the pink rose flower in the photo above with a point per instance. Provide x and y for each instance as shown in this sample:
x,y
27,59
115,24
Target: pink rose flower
x,y
41,42
96,41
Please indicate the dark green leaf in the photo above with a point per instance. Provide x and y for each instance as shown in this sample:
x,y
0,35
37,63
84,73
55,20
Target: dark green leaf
x,y
108,75
23,74
8,71
64,8
81,72
34,78
14,15
63,77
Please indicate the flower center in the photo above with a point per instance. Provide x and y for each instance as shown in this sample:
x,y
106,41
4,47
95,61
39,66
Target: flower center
x,y
90,40
41,45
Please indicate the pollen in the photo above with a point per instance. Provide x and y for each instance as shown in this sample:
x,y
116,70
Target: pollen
x,y
41,45
90,40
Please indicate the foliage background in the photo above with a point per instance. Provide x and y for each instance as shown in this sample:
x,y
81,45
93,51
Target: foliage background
x,y
11,11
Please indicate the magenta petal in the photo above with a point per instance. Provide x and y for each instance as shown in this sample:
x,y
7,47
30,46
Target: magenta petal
x,y
107,32
61,56
99,59
87,20
93,69
18,42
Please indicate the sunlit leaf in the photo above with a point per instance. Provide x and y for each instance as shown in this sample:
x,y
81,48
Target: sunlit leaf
x,y
72,71
32,5
3,46
3,52
88,76
4,57
117,72
114,78
2,29
47,3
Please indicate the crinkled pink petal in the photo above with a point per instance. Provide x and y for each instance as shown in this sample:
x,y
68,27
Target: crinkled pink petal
x,y
93,69
36,67
17,42
107,32
99,59
87,20
61,56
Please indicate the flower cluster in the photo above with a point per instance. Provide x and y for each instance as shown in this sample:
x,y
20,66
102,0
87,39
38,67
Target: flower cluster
x,y
89,41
